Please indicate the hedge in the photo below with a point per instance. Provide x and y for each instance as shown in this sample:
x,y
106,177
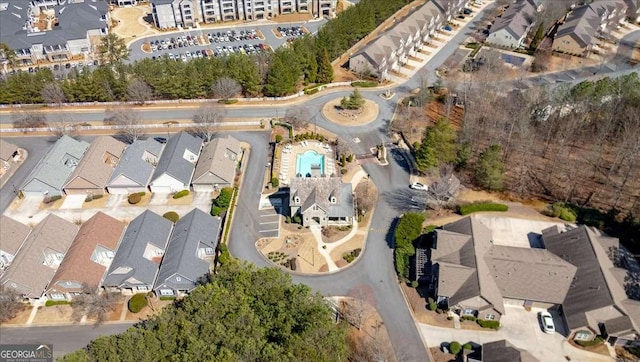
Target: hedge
x,y
134,198
180,194
171,216
50,303
562,211
228,101
137,302
467,209
488,324
364,84
598,340
50,199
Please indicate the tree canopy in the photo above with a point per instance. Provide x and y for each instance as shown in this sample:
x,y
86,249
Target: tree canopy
x,y
408,230
489,171
438,146
242,313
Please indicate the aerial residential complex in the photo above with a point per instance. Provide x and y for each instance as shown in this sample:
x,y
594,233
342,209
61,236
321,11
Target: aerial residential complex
x,y
188,13
52,30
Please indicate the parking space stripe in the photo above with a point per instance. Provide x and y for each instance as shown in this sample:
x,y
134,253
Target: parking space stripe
x,y
270,222
268,231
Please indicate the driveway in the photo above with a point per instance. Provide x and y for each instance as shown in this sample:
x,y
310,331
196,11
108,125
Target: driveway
x,y
73,202
520,328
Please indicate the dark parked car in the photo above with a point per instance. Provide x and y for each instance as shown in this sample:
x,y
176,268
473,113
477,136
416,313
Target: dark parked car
x,y
160,139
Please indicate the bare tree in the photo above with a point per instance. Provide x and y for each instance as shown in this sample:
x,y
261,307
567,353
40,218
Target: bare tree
x,y
28,119
10,303
343,147
127,120
225,87
63,125
94,304
139,91
208,117
366,196
361,306
445,189
297,117
52,93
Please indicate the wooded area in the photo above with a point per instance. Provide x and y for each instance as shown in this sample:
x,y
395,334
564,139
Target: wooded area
x,y
242,314
304,61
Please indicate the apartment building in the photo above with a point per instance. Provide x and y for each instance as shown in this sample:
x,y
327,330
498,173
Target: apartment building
x,y
52,30
186,13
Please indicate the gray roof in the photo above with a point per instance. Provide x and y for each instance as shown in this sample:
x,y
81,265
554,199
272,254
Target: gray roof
x,y
503,351
172,161
12,234
129,266
517,19
134,165
28,273
7,150
194,231
217,162
530,274
74,20
581,24
318,191
56,166
589,290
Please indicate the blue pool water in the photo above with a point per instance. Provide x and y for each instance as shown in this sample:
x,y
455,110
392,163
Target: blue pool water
x,y
305,160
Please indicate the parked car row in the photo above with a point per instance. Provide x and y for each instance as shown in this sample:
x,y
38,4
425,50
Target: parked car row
x,y
189,40
218,51
291,33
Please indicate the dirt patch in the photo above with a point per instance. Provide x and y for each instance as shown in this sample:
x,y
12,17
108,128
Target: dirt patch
x,y
370,341
155,306
96,203
20,318
439,356
599,349
332,234
418,305
54,314
367,114
130,22
185,200
146,47
292,18
276,33
259,34
356,242
52,205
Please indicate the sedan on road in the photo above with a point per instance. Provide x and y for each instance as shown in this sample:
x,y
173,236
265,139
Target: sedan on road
x,y
419,186
547,322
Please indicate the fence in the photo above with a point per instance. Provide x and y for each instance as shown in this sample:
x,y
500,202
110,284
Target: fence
x,y
124,127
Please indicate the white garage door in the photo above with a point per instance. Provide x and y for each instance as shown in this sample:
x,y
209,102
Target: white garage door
x,y
161,189
202,187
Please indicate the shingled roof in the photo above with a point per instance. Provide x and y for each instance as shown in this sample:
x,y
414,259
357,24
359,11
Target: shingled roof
x,y
97,164
319,191
7,150
79,265
137,161
217,162
172,161
12,234
517,19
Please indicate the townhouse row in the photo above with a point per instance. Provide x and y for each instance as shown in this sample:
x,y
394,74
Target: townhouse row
x,y
188,13
391,50
58,259
73,167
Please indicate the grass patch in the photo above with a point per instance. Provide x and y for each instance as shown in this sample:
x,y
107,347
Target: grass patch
x,y
596,341
168,297
467,209
50,303
364,84
228,101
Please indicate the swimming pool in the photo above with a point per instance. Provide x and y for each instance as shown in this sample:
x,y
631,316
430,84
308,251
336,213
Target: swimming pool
x,y
307,160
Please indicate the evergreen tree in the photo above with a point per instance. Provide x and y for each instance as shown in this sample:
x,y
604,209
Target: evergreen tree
x,y
283,75
489,171
438,146
112,49
325,74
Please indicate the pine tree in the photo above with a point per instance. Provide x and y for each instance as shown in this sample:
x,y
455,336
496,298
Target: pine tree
x,y
325,75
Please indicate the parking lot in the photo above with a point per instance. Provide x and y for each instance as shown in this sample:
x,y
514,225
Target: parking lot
x,y
206,42
269,223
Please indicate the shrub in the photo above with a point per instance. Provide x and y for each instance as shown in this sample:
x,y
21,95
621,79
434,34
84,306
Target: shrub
x,y
467,346
216,211
88,198
278,138
275,181
562,211
287,220
467,209
168,297
297,219
432,304
596,341
171,216
137,303
142,193
180,194
50,199
134,198
414,284
228,101
312,91
468,318
429,228
488,324
224,198
50,303
99,196
455,347
364,84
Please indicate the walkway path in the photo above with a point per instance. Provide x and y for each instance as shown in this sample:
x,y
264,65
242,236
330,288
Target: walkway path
x,y
325,248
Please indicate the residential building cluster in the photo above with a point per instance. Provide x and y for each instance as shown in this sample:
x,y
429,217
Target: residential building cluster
x,y
390,51
52,30
189,13
571,272
510,30
58,259
107,165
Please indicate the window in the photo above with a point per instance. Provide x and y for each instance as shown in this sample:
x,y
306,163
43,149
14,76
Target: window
x,y
56,296
489,317
142,287
178,279
469,312
208,251
166,292
582,335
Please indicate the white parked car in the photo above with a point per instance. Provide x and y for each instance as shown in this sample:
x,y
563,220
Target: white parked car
x,y
419,186
547,322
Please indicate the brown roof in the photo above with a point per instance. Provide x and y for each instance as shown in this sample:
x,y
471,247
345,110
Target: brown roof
x,y
12,234
28,273
531,274
503,351
97,164
78,266
218,161
6,150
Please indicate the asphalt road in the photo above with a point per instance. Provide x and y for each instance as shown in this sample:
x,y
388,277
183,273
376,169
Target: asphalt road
x,y
266,29
64,339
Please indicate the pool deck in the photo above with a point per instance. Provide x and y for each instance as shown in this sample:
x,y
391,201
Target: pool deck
x,y
288,158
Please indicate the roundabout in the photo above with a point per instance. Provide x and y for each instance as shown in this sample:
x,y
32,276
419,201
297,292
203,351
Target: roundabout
x,y
366,114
